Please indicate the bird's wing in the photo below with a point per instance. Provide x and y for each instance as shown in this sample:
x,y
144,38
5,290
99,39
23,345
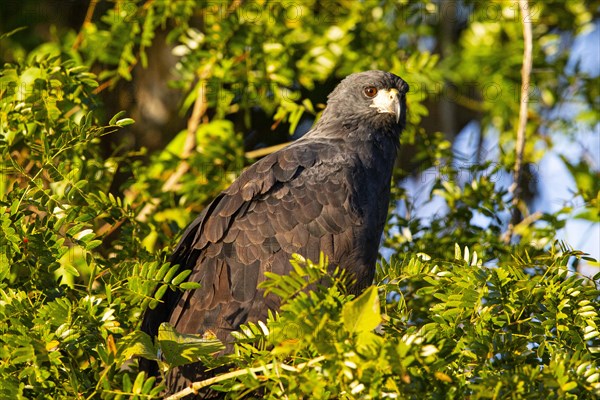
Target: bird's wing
x,y
294,200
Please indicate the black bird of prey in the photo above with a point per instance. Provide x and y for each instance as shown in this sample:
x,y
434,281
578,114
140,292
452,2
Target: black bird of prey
x,y
327,192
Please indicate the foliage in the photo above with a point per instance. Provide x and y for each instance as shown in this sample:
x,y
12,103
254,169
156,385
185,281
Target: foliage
x,y
445,329
86,231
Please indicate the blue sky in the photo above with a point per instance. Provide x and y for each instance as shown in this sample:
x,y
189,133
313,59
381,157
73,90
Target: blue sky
x,y
580,234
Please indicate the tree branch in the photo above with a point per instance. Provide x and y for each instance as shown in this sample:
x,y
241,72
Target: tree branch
x,y
88,19
265,151
515,188
194,387
200,106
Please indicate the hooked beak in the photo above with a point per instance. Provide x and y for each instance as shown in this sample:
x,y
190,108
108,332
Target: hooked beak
x,y
388,101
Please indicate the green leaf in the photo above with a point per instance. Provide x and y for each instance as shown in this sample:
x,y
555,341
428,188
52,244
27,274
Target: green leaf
x,y
362,314
124,122
139,343
171,273
181,277
138,383
160,292
116,117
189,285
126,383
569,386
179,349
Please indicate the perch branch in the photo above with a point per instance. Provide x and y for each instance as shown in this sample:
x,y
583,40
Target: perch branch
x,y
194,387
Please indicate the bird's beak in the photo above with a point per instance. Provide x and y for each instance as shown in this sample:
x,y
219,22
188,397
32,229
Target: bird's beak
x,y
388,101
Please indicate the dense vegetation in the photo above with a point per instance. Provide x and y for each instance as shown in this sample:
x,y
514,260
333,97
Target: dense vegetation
x,y
472,301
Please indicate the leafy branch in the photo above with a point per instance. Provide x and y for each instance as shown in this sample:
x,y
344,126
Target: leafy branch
x,y
196,386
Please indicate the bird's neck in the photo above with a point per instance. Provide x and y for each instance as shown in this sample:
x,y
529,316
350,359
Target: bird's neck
x,y
356,130
374,145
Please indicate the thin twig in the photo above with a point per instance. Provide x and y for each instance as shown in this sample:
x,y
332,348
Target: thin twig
x,y
107,229
194,387
515,188
200,106
265,151
88,18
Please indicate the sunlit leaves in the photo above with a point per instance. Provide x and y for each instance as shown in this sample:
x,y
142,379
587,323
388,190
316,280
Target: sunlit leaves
x,y
481,319
508,322
179,349
362,314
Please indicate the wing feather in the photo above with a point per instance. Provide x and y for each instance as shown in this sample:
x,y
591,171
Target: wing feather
x,y
285,203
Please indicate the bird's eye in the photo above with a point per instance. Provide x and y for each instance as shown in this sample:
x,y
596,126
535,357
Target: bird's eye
x,y
370,91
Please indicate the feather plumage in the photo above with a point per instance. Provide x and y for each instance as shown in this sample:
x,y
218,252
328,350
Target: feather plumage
x,y
328,191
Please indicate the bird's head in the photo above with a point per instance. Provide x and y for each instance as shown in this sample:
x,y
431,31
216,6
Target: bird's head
x,y
368,100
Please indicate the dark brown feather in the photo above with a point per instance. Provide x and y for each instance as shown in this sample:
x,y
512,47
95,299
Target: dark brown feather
x,y
327,192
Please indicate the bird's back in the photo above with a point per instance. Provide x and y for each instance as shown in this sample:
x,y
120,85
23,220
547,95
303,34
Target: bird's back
x,y
308,198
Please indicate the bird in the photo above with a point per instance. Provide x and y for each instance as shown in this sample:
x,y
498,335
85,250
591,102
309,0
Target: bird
x,y
328,192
